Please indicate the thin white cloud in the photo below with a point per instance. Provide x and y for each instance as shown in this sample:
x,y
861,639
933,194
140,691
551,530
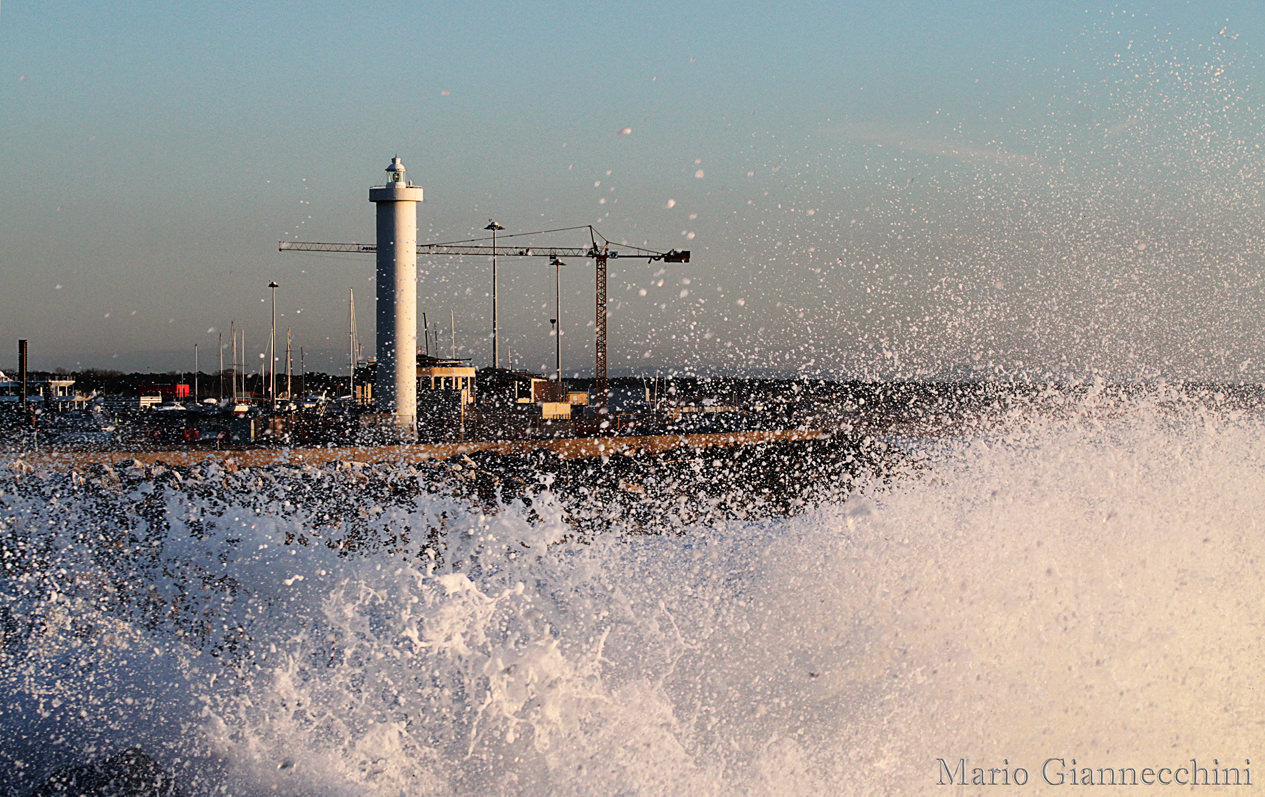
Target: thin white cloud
x,y
974,154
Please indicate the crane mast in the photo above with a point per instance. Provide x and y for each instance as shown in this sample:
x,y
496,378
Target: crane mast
x,y
599,250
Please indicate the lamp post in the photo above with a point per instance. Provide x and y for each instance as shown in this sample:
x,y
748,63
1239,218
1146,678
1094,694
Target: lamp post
x,y
557,312
272,350
496,343
195,373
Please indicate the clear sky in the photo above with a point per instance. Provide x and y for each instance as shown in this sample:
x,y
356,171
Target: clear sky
x,y
868,189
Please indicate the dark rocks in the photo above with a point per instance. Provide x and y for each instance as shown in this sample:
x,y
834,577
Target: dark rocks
x,y
130,773
669,491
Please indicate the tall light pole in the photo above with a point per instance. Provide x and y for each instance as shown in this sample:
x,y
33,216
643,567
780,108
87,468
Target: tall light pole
x,y
557,312
496,342
351,343
195,373
272,350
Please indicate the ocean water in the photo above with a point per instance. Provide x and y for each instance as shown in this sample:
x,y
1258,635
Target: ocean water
x,y
1078,582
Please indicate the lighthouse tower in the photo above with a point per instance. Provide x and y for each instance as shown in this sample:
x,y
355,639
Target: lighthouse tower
x,y
396,382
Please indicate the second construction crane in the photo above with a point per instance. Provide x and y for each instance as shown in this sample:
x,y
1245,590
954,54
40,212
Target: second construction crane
x,y
599,249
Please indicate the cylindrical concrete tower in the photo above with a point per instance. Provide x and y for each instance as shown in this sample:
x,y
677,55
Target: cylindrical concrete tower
x,y
396,383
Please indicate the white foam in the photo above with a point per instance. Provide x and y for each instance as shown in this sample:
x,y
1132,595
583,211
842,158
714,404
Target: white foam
x,y
1086,587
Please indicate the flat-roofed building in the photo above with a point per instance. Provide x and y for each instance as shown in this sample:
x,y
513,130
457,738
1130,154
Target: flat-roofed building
x,y
445,389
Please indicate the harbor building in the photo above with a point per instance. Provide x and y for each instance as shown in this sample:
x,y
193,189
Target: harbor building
x,y
445,396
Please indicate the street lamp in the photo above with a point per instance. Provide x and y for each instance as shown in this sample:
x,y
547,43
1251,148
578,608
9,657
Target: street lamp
x,y
272,349
557,312
496,343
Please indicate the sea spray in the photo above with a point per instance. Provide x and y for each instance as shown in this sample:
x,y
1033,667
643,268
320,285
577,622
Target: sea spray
x,y
1079,581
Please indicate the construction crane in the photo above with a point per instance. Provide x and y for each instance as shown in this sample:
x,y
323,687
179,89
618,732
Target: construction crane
x,y
599,249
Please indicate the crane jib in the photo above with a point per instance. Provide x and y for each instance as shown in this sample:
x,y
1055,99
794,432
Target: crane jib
x,y
670,256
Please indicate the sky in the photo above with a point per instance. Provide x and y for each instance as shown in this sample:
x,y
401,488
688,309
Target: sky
x,y
868,190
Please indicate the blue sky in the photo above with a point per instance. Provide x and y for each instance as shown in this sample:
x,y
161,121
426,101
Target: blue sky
x,y
877,189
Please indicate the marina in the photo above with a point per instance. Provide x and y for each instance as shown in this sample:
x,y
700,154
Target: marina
x,y
403,394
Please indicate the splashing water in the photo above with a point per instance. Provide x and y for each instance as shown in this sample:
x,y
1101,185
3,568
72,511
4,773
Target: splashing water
x,y
1079,584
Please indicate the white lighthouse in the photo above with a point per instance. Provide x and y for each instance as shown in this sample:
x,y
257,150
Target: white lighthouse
x,y
396,382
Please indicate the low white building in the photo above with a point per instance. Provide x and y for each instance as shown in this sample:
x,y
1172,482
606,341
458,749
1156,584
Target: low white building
x,y
58,392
